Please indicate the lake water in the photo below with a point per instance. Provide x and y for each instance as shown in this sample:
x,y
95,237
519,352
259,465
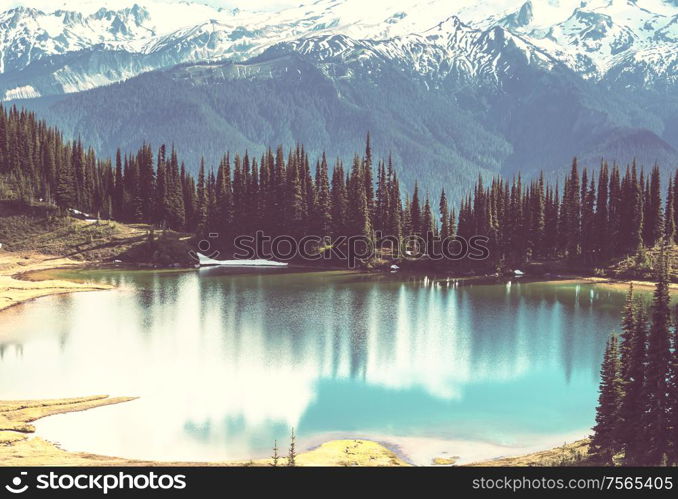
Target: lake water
x,y
226,362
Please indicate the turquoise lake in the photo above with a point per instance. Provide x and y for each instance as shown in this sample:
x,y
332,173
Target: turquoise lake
x,y
226,362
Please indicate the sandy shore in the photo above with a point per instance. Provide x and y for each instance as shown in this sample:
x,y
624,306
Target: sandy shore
x,y
19,448
617,284
551,457
14,291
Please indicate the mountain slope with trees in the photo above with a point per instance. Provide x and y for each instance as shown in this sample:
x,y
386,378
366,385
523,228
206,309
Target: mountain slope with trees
x,y
593,218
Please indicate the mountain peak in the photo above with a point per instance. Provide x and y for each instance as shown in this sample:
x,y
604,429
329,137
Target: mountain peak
x,y
521,18
589,36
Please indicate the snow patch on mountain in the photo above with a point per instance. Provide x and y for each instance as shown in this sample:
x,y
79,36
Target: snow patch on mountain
x,y
598,39
25,92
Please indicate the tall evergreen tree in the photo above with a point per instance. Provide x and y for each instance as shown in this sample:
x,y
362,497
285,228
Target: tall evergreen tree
x,y
632,348
603,445
202,200
673,396
324,206
655,423
358,210
444,211
669,216
654,222
415,212
572,211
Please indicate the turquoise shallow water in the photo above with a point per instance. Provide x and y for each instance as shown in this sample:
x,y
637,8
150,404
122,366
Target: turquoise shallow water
x,y
224,362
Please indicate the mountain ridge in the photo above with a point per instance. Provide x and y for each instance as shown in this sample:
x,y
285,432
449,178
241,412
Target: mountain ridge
x,y
599,38
451,99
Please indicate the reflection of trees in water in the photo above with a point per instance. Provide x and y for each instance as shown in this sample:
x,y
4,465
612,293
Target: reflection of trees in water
x,y
51,316
339,326
540,323
383,330
268,345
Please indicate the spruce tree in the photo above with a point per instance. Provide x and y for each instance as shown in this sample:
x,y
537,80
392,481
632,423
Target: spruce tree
x,y
395,209
444,211
276,456
602,222
358,209
537,217
368,177
292,453
65,189
634,327
339,202
202,201
604,445
588,223
323,207
415,212
654,222
573,213
655,423
673,396
669,216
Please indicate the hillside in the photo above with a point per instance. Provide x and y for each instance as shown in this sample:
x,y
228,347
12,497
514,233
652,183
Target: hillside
x,y
41,228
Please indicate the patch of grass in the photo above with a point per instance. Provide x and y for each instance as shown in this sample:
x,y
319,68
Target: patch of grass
x,y
42,228
642,265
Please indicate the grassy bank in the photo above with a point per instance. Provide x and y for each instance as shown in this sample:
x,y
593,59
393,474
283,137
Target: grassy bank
x,y
14,291
41,228
19,447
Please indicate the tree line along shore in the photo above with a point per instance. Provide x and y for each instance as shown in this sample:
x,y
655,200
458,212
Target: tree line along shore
x,y
594,219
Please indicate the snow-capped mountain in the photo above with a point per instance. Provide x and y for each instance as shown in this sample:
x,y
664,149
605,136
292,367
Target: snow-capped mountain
x,y
43,53
451,89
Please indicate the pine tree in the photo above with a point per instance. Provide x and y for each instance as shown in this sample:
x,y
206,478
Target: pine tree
x,y
415,212
339,202
275,457
538,217
603,445
395,208
294,204
358,210
202,201
573,212
452,223
654,222
655,424
292,454
119,189
175,209
444,211
632,348
323,207
673,396
632,219
669,216
65,189
160,210
146,181
368,177
588,223
602,227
